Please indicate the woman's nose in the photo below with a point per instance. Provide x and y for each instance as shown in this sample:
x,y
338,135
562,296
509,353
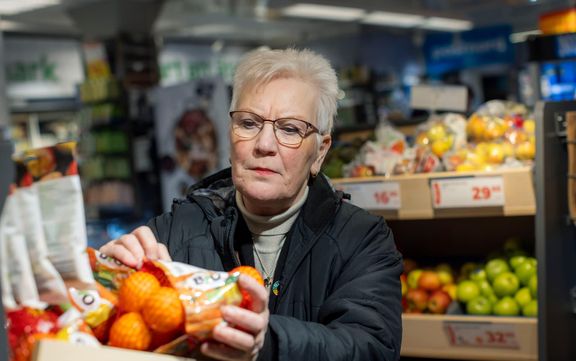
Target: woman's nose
x,y
266,140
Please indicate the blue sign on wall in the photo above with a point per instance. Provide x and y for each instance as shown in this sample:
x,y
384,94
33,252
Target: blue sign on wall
x,y
445,52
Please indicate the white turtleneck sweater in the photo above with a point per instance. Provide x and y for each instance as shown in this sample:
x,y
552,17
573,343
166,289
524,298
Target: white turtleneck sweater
x,y
269,234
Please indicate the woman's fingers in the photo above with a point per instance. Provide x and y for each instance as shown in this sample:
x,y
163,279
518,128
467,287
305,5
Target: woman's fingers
x,y
132,248
147,241
234,338
256,290
244,319
163,252
121,253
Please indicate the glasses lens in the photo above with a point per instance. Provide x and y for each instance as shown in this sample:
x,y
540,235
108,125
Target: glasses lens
x,y
246,125
290,131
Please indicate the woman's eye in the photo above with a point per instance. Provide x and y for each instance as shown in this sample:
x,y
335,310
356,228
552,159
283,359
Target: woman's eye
x,y
290,129
248,123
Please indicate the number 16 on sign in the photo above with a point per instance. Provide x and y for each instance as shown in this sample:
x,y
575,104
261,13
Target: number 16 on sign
x,y
467,192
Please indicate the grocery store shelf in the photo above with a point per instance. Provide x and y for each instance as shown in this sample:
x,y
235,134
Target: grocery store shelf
x,y
416,196
429,336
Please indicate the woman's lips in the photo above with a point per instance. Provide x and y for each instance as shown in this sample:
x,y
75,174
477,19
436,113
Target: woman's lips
x,y
263,171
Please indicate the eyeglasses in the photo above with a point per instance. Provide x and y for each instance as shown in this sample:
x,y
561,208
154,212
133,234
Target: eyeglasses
x,y
288,131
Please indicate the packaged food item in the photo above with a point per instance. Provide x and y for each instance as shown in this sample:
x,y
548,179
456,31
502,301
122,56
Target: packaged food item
x,y
53,170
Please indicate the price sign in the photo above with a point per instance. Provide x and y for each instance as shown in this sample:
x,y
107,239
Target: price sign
x,y
481,334
373,195
467,192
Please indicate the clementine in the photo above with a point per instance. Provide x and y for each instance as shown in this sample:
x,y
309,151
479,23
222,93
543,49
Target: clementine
x,y
130,331
135,290
249,271
163,310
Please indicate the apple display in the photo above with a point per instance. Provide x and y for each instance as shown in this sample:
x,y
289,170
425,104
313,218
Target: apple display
x,y
525,271
429,281
505,284
506,307
439,302
479,306
496,267
467,290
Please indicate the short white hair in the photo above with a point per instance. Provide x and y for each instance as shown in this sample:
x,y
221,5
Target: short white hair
x,y
261,66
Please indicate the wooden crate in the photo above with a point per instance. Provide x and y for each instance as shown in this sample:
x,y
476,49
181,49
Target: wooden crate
x,y
50,350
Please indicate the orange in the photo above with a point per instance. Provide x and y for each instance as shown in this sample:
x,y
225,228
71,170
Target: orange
x,y
250,271
163,310
135,290
130,331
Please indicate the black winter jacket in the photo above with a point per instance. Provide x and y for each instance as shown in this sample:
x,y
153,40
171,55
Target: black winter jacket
x,y
336,294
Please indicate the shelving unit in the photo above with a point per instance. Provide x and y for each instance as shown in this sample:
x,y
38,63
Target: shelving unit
x,y
416,195
421,229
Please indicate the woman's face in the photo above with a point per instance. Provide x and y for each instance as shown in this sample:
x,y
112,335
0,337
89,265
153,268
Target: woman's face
x,y
271,176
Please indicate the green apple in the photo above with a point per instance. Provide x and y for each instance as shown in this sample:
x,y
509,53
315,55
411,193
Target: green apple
x,y
413,278
445,277
525,271
523,296
479,306
516,261
493,299
478,274
485,288
467,290
506,307
505,284
467,268
495,267
530,309
533,261
533,285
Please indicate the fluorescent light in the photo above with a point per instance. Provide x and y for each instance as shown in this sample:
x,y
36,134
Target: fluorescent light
x,y
11,7
522,35
447,24
326,12
392,19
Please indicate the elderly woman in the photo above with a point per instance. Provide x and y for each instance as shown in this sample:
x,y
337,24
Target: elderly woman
x,y
332,288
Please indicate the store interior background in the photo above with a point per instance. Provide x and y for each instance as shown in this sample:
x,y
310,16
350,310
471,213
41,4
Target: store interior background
x,y
128,79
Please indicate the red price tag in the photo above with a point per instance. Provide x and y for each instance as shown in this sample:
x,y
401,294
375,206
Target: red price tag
x,y
373,195
467,192
481,334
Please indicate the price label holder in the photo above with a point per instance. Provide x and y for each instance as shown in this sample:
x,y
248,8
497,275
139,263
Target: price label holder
x,y
467,192
373,195
481,334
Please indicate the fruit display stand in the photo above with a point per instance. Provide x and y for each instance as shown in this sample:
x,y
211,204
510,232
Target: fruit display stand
x,y
413,196
64,351
412,206
465,337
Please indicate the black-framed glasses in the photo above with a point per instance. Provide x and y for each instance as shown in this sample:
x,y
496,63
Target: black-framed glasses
x,y
288,131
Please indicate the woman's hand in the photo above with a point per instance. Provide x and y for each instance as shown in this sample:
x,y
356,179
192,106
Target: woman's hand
x,y
243,337
131,248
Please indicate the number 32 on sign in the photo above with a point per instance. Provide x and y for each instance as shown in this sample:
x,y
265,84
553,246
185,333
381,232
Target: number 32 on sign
x,y
467,192
481,334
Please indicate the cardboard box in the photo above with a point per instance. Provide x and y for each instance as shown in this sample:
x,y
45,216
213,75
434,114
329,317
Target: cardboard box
x,y
50,350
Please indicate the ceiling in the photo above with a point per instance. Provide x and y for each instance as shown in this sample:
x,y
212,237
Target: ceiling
x,y
257,21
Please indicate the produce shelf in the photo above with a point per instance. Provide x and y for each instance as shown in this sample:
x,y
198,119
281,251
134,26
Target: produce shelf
x,y
414,194
487,337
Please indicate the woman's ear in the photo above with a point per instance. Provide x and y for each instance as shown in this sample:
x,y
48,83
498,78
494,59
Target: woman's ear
x,y
326,142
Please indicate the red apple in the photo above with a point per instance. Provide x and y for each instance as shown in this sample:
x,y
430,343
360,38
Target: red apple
x,y
439,302
429,281
417,299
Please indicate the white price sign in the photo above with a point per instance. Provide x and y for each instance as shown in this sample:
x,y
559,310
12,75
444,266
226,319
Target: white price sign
x,y
374,195
481,334
467,192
